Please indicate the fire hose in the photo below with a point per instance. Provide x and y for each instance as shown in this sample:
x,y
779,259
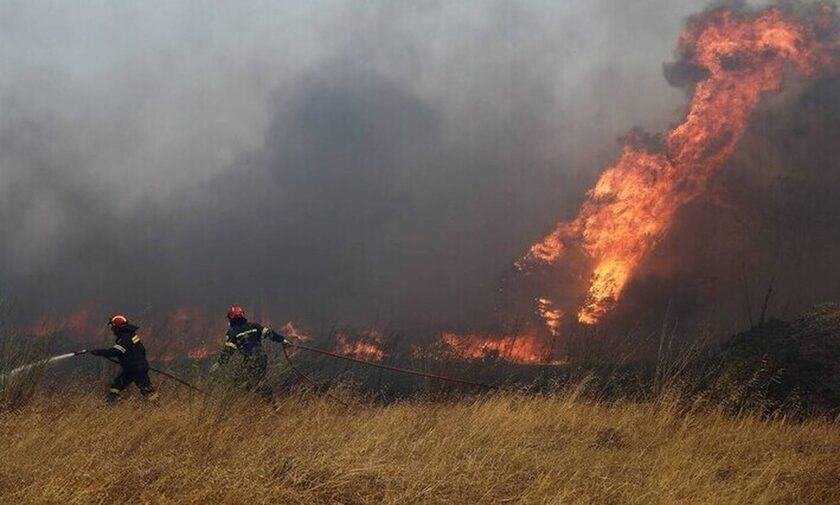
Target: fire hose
x,y
382,366
308,378
61,357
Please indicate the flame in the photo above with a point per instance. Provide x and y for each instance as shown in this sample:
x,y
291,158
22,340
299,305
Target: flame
x,y
290,331
634,202
552,316
522,349
367,346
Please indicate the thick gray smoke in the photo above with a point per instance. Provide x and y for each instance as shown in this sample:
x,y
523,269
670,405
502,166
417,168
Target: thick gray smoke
x,y
332,160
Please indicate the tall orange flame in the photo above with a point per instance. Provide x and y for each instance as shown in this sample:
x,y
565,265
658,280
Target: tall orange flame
x,y
634,202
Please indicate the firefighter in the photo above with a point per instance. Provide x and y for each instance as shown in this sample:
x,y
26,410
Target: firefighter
x,y
245,338
129,350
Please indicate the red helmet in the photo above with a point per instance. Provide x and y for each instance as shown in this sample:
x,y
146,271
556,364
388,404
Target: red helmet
x,y
118,321
236,312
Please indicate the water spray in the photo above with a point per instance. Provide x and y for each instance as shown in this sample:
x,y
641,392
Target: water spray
x,y
43,362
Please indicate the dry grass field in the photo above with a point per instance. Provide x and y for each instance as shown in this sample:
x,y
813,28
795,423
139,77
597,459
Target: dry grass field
x,y
499,448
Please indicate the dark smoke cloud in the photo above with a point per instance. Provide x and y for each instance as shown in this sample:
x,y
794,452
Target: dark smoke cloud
x,y
334,162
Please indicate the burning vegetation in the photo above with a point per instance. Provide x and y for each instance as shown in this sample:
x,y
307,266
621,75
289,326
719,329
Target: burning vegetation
x,y
521,349
731,58
365,346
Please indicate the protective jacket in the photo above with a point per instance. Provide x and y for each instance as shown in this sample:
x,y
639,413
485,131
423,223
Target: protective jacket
x,y
246,338
128,349
131,353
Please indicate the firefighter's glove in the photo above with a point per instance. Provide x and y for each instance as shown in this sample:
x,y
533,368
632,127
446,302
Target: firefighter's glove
x,y
96,352
276,337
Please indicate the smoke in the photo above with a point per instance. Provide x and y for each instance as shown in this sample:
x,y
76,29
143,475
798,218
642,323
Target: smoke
x,y
323,160
333,160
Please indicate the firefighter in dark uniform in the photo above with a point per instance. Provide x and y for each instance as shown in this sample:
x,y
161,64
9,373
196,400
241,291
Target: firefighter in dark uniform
x,y
245,339
131,354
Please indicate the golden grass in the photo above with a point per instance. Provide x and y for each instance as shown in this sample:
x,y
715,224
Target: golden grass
x,y
504,448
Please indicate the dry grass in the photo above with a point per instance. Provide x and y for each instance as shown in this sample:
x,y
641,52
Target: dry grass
x,y
505,448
